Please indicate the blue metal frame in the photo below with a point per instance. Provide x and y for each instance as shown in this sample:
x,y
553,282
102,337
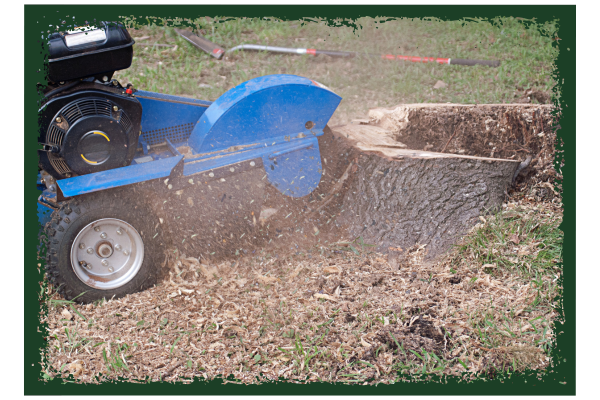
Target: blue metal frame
x,y
276,118
118,177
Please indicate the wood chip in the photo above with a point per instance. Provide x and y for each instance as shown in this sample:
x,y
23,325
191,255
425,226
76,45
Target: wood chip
x,y
332,270
514,238
364,342
267,279
75,368
66,314
324,296
295,273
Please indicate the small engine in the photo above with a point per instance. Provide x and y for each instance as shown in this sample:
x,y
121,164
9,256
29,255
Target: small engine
x,y
89,123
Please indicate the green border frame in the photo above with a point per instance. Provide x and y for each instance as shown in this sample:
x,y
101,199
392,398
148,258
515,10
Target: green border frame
x,y
526,384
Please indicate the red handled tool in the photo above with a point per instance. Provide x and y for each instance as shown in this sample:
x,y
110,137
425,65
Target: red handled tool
x,y
217,52
314,52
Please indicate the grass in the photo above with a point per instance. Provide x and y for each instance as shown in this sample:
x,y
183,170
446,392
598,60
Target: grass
x,y
526,51
415,363
115,359
526,240
305,351
308,354
524,245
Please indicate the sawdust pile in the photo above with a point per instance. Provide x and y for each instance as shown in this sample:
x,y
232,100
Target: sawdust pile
x,y
338,313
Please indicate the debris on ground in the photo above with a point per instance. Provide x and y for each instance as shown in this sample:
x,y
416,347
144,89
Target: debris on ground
x,y
328,313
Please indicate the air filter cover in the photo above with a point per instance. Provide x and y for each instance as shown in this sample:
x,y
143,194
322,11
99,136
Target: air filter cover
x,y
89,51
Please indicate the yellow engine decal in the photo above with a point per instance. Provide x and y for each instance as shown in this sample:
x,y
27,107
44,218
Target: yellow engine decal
x,y
88,161
100,133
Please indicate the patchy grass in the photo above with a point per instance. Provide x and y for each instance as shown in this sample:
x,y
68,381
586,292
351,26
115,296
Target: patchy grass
x,y
526,53
522,245
527,240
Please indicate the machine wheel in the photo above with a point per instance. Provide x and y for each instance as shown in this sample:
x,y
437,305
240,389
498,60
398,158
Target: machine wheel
x,y
103,245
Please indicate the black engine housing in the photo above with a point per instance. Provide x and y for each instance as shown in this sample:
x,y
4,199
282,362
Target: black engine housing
x,y
90,129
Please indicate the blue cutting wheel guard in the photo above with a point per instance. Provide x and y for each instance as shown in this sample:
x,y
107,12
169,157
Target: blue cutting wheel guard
x,y
276,118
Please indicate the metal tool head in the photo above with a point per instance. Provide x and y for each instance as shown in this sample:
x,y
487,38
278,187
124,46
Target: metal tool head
x,y
202,43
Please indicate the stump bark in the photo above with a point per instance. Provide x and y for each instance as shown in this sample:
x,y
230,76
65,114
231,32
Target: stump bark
x,y
418,198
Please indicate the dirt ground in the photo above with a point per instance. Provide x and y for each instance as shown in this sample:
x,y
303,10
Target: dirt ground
x,y
326,313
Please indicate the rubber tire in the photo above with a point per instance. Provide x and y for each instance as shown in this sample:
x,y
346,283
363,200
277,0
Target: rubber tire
x,y
77,213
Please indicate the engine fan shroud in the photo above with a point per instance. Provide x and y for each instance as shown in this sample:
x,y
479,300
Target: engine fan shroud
x,y
89,132
94,144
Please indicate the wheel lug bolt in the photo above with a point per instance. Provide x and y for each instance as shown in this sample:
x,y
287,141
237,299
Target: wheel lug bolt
x,y
125,252
118,247
119,231
85,265
104,262
82,245
90,250
103,235
97,229
110,269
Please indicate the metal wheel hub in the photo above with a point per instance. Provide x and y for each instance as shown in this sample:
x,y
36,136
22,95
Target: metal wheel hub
x,y
107,253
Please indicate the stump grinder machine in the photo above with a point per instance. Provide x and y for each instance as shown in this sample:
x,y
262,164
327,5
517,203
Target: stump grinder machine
x,y
113,159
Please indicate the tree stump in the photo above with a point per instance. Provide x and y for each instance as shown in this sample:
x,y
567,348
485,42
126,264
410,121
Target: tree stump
x,y
463,160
